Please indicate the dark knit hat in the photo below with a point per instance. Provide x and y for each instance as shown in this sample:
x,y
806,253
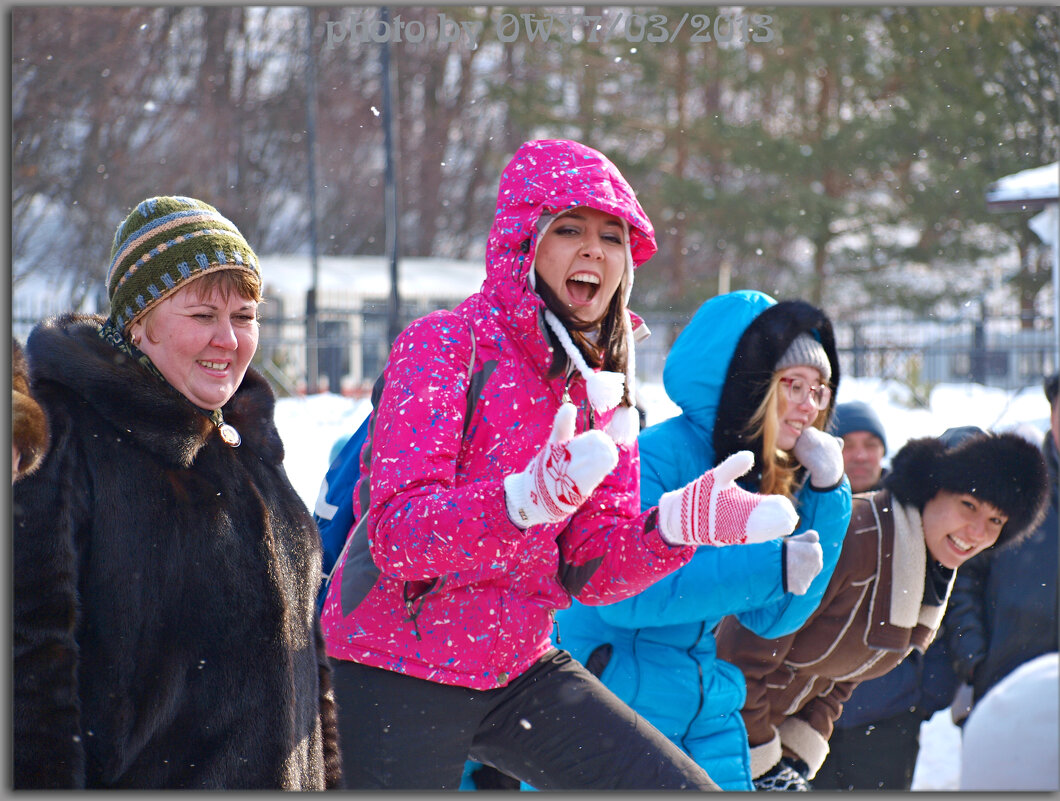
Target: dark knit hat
x,y
806,350
165,243
1051,385
858,416
1004,470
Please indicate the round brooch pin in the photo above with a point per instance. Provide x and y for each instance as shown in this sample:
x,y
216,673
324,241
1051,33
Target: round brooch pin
x,y
229,435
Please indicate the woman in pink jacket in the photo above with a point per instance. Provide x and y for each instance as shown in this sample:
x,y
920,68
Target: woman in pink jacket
x,y
485,509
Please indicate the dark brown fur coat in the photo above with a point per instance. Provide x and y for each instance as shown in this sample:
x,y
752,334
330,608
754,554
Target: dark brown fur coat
x,y
165,630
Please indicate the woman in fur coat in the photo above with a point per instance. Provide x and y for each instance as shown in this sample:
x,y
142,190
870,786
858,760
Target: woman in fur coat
x,y
164,568
945,500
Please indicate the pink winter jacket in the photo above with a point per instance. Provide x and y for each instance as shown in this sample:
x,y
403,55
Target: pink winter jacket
x,y
453,592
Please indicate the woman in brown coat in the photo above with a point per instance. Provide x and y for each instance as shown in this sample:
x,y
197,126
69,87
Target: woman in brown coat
x,y
945,500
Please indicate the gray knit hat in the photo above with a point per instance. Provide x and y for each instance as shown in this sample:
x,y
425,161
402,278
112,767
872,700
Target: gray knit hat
x,y
164,243
806,350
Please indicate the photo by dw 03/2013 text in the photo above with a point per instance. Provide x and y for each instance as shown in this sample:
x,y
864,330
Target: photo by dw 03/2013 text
x,y
614,25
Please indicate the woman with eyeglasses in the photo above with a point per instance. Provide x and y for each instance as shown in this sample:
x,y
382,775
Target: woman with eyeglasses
x,y
753,374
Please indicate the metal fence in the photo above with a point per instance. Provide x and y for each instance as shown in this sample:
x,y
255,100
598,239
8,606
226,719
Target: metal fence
x,y
351,347
920,353
1003,352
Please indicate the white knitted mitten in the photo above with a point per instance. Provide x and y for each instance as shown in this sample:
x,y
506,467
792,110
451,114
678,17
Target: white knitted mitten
x,y
562,474
803,560
822,456
712,510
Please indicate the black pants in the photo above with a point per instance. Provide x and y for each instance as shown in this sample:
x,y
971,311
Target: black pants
x,y
876,756
556,727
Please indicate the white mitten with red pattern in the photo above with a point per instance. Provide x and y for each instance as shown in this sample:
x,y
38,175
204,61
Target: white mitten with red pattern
x,y
562,474
712,510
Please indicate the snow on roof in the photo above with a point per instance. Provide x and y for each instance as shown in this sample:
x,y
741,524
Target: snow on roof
x,y
1029,187
369,276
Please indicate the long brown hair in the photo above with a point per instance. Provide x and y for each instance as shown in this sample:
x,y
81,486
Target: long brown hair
x,y
778,467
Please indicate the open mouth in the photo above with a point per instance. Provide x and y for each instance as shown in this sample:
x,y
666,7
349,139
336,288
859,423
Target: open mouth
x,y
218,366
582,287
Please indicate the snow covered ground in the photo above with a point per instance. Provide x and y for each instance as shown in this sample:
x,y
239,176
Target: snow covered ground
x,y
938,766
310,426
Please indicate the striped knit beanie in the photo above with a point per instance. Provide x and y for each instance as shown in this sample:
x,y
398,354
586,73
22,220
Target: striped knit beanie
x,y
164,243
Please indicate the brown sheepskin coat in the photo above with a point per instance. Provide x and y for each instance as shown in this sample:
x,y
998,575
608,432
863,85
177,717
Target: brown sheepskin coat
x,y
872,615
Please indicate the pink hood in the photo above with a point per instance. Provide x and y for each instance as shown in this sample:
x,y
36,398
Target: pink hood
x,y
549,176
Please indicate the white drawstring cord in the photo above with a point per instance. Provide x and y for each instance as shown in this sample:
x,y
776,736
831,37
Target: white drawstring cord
x,y
604,388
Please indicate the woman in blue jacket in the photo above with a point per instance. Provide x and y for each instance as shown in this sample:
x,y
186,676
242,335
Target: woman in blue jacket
x,y
743,372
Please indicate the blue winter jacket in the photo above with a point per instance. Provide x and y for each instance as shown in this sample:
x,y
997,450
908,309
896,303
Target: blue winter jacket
x,y
656,650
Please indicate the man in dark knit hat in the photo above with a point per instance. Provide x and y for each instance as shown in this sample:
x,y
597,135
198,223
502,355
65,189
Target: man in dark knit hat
x,y
946,500
864,444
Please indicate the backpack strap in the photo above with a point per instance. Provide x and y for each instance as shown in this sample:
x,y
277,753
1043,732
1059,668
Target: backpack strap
x,y
475,383
474,344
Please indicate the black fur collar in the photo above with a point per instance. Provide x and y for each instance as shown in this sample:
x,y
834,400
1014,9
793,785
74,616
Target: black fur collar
x,y
68,351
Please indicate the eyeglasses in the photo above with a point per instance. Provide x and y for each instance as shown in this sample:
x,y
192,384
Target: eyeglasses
x,y
799,390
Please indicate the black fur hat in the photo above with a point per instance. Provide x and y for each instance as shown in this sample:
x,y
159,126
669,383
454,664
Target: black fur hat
x,y
1004,470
